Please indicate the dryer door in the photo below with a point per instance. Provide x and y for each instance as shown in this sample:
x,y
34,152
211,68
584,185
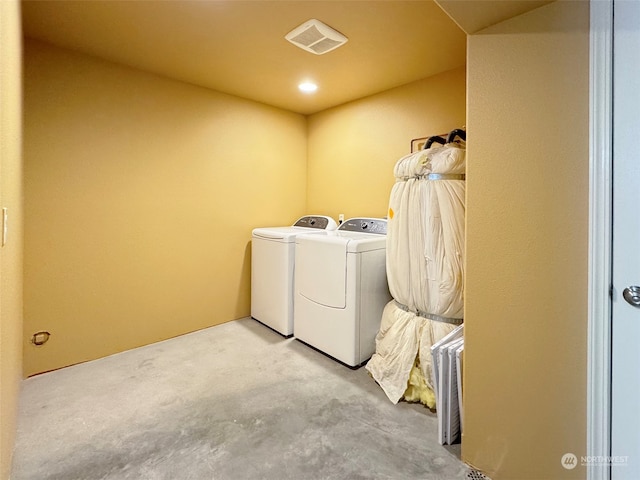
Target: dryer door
x,y
321,269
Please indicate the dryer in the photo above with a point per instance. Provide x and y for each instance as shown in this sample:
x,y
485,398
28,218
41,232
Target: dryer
x,y
341,289
272,270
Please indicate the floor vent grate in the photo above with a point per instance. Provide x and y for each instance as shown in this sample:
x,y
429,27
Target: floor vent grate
x,y
476,475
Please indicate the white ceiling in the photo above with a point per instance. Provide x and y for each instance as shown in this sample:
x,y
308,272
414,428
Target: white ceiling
x,y
238,46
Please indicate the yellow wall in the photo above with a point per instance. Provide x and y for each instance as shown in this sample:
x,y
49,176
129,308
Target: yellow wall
x,y
11,252
141,193
353,147
527,234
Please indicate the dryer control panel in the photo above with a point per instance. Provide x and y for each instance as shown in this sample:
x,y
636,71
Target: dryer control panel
x,y
318,221
365,225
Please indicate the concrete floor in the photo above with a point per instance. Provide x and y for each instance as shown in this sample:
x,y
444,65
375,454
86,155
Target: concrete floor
x,y
236,401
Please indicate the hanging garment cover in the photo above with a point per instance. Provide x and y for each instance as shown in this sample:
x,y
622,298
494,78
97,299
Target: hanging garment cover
x,y
403,354
425,258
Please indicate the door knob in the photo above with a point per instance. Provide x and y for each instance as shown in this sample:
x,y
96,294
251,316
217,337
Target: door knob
x,y
632,295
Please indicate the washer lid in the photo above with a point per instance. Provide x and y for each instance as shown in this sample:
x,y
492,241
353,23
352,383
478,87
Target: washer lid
x,y
284,234
308,224
364,242
362,234
352,242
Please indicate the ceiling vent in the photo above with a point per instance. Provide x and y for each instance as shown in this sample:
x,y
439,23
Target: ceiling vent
x,y
316,37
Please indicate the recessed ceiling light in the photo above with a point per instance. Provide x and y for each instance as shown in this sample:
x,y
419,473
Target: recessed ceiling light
x,y
308,87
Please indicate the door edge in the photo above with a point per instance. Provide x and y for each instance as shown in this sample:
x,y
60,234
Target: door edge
x,y
600,230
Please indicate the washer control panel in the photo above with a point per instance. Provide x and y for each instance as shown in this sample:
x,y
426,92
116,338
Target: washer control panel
x,y
365,225
318,221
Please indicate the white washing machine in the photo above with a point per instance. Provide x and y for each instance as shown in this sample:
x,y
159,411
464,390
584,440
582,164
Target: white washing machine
x,y
341,289
272,267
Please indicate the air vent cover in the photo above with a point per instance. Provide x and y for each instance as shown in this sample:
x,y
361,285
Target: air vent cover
x,y
316,37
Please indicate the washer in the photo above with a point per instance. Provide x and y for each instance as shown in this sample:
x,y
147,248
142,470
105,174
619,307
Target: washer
x,y
341,289
272,267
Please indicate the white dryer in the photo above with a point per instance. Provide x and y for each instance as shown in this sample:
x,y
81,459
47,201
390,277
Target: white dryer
x,y
272,269
341,289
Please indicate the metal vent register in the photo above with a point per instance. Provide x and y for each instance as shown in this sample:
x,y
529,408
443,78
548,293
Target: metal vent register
x,y
476,475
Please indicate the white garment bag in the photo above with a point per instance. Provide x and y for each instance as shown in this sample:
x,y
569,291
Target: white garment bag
x,y
425,258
